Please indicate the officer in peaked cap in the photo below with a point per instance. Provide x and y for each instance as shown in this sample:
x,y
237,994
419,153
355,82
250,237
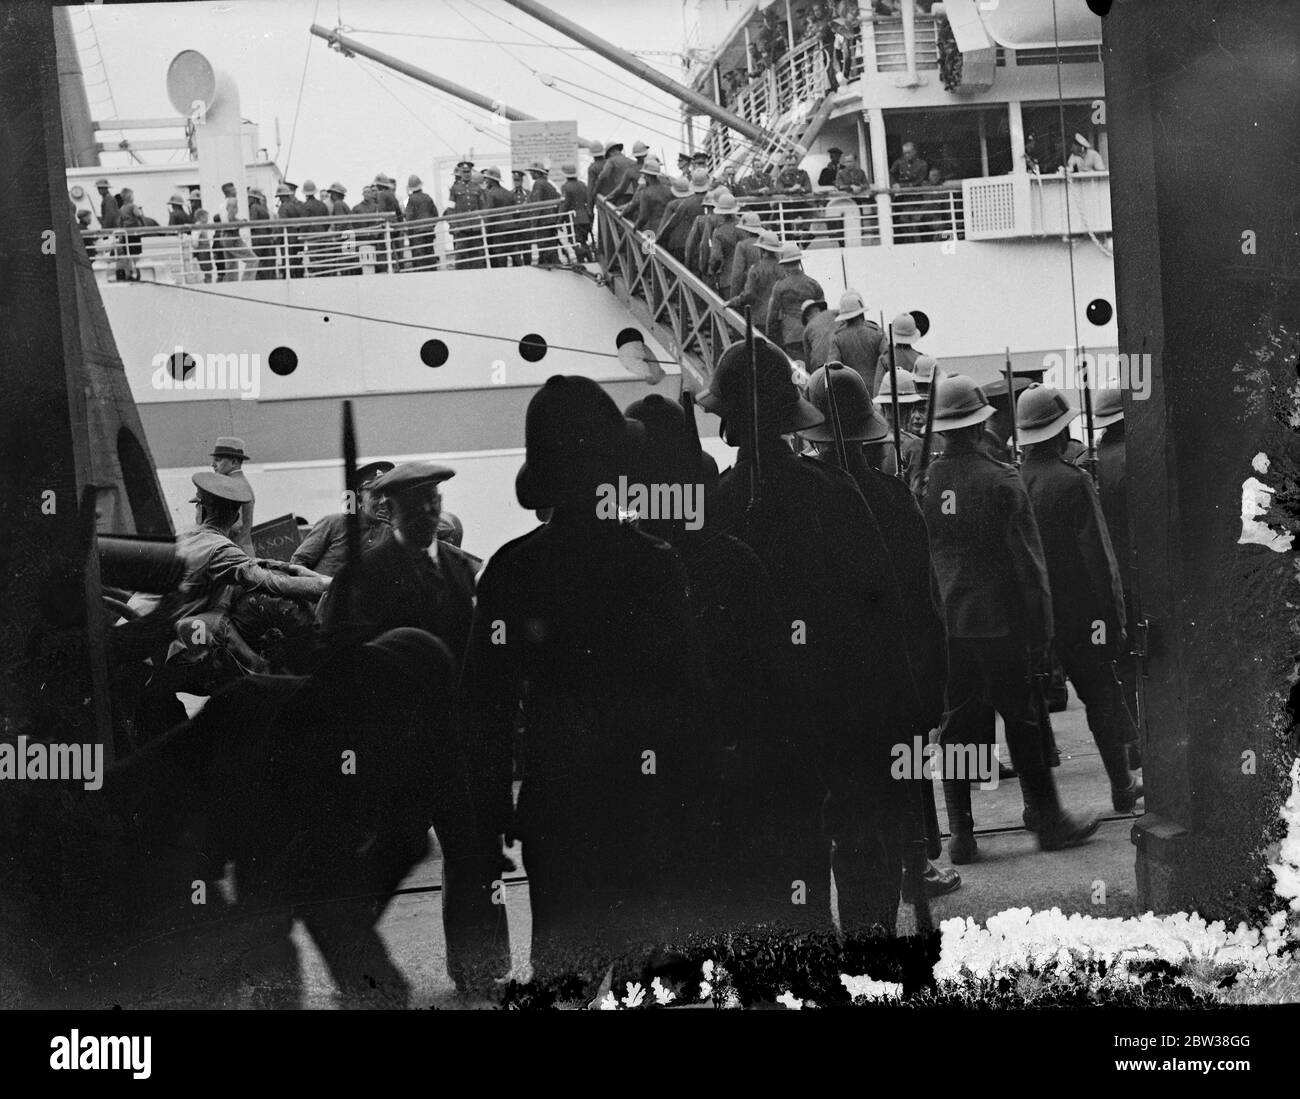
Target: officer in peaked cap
x,y
412,578
863,429
325,547
992,577
1087,595
602,654
851,686
217,572
466,198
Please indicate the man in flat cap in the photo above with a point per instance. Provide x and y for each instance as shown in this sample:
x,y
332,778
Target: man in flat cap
x,y
325,547
413,578
228,459
421,207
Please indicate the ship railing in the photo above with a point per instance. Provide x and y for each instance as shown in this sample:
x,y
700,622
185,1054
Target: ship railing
x,y
352,244
685,312
842,219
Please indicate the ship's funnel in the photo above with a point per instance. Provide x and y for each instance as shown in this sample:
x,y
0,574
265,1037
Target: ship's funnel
x,y
210,100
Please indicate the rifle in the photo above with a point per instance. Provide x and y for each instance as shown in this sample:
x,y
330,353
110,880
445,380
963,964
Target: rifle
x,y
756,469
837,430
893,403
351,520
1090,463
926,443
1011,396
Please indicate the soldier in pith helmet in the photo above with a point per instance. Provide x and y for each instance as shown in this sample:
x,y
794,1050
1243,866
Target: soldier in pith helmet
x,y
997,602
1087,597
851,686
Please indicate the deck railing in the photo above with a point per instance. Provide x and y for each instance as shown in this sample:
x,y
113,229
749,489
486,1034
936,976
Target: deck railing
x,y
351,245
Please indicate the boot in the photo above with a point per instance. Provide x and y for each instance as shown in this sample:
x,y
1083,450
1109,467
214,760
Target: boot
x,y
1057,829
938,882
962,847
1125,789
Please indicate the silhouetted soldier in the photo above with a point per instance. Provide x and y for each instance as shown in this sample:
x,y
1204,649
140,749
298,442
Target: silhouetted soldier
x,y
585,623
908,543
852,689
1087,599
744,638
997,603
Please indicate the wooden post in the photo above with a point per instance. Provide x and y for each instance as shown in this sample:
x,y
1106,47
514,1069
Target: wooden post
x,y
1217,312
51,623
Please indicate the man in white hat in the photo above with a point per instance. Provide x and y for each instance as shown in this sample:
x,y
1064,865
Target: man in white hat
x,y
675,229
1087,596
1083,157
903,332
646,208
857,341
575,206
722,243
420,207
759,283
545,229
746,253
784,322
992,577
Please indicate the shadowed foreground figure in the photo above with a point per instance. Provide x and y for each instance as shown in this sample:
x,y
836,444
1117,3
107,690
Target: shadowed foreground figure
x,y
321,791
852,691
584,625
735,607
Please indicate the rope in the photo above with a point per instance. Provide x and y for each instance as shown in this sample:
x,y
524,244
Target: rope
x,y
301,85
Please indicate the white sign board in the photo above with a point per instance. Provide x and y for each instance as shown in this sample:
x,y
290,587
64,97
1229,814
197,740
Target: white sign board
x,y
555,144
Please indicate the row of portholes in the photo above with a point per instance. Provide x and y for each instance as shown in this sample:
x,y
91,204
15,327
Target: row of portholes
x,y
283,361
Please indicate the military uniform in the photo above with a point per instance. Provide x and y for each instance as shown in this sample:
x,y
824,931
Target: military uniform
x,y
544,227
860,346
1087,602
817,333
466,198
794,181
324,550
757,292
501,240
784,321
1113,490
420,207
722,251
649,205
676,226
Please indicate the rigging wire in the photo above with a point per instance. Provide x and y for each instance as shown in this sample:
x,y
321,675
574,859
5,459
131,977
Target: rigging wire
x,y
1060,107
401,103
306,61
519,61
441,101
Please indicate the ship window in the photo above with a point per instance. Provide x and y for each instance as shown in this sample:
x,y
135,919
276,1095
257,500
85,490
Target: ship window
x,y
181,365
433,353
532,348
1099,311
283,361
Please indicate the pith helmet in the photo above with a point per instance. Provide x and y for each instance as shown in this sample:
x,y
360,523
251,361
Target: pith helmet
x,y
680,188
493,172
569,171
790,252
907,392
781,410
905,330
1041,413
596,149
308,187
750,222
961,403
803,309
337,189
769,241
851,305
640,148
651,167
726,202
859,420
1107,407
413,181
699,181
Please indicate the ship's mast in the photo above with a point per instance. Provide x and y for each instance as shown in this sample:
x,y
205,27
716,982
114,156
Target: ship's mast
x,y
639,68
348,46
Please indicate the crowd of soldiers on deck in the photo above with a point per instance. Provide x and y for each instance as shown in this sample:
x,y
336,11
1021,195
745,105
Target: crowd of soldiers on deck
x,y
689,729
